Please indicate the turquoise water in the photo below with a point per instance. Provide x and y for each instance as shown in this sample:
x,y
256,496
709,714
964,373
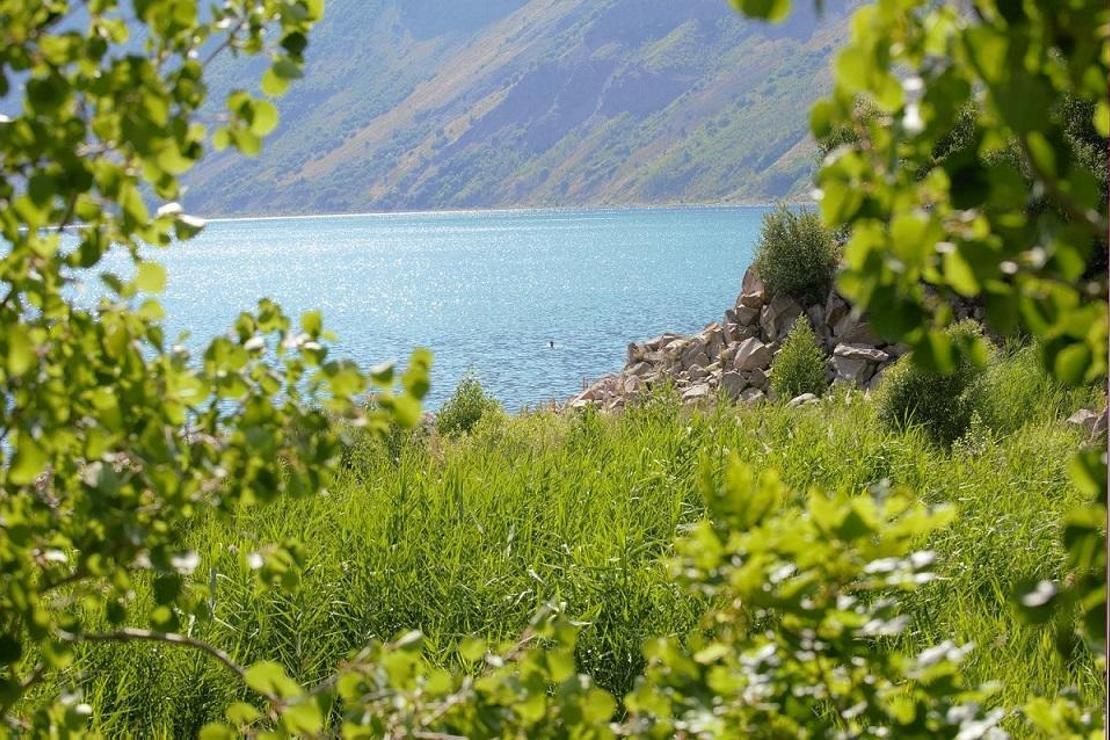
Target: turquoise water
x,y
487,290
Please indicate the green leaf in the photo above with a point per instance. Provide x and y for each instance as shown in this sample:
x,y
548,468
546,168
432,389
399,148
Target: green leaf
x,y
303,719
769,10
28,461
150,277
21,350
270,679
217,731
312,322
265,118
1102,118
274,85
1071,364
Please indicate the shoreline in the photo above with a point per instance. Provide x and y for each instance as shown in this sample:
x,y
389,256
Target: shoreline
x,y
506,209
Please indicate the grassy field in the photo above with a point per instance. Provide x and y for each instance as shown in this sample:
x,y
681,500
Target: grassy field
x,y
470,535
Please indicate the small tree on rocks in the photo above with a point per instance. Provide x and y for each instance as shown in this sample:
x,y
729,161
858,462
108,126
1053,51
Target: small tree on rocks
x,y
796,255
800,365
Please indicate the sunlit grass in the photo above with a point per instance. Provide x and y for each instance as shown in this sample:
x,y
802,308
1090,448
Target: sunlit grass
x,y
470,535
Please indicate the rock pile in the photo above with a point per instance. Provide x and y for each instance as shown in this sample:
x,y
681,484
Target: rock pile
x,y
735,356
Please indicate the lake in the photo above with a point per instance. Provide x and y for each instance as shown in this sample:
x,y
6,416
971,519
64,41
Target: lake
x,y
486,290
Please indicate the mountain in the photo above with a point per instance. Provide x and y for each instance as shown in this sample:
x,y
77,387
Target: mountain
x,y
422,104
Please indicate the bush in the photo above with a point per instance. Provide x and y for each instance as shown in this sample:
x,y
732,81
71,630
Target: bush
x,y
466,407
800,365
942,405
796,255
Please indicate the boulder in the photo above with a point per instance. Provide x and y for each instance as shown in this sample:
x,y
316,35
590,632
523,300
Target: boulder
x,y
636,353
753,396
853,329
752,292
1101,423
661,341
695,355
836,308
1085,419
803,400
778,316
852,370
714,341
696,393
860,352
675,347
640,369
746,315
697,373
632,386
816,314
752,354
756,378
733,384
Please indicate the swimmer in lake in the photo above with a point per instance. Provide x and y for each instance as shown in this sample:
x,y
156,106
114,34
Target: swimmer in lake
x,y
551,344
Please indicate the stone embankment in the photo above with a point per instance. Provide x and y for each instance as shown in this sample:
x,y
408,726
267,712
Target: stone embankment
x,y
736,356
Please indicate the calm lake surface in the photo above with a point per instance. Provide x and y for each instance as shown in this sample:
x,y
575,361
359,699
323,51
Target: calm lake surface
x,y
484,290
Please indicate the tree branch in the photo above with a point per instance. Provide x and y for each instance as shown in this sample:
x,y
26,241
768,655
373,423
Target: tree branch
x,y
132,634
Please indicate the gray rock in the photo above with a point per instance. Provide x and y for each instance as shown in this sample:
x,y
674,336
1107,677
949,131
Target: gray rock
x,y
746,315
632,386
697,373
675,347
733,383
803,400
661,341
752,354
860,352
852,370
853,329
695,356
816,314
778,316
635,353
756,378
696,393
1085,419
714,342
640,369
752,292
753,396
1101,424
836,308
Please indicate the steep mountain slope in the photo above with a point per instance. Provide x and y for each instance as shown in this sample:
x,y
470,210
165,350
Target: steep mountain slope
x,y
413,104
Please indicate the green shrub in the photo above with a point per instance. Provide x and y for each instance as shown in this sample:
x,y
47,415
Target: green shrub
x,y
800,365
796,255
466,407
942,405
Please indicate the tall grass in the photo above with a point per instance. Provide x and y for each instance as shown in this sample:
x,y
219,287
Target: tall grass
x,y
469,535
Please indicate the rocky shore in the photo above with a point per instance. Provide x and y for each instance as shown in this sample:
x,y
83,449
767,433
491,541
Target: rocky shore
x,y
736,356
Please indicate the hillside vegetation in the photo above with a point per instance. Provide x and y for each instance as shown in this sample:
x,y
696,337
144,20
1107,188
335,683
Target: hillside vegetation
x,y
533,102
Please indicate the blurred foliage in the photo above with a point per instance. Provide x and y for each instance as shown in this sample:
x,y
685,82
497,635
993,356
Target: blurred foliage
x,y
113,437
